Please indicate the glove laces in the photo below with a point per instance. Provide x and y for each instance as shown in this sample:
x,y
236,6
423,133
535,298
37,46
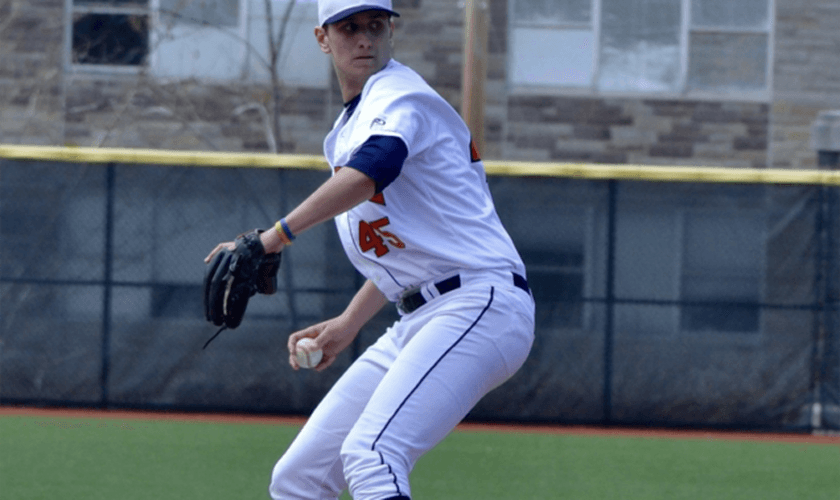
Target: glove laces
x,y
223,328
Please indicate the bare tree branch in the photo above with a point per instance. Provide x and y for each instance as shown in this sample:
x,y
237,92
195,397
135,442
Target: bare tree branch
x,y
259,108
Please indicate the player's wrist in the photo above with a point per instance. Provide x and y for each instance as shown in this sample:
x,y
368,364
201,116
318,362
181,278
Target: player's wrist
x,y
271,241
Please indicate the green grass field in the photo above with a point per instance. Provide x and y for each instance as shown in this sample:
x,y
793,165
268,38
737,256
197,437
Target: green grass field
x,y
114,459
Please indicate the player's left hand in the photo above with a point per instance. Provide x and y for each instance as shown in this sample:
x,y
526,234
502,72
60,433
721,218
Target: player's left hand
x,y
236,272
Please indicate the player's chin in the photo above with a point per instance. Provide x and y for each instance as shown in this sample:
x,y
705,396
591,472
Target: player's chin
x,y
366,65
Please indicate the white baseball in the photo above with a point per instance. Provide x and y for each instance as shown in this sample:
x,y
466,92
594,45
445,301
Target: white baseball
x,y
308,354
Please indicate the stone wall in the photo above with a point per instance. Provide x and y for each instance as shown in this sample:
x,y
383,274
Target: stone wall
x,y
806,76
31,97
139,112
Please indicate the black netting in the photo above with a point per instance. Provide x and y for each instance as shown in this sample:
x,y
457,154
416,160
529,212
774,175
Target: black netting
x,y
657,303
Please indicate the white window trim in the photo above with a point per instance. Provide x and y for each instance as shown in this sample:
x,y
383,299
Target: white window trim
x,y
761,96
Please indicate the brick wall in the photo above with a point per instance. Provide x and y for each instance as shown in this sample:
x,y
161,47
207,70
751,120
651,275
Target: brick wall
x,y
40,104
637,131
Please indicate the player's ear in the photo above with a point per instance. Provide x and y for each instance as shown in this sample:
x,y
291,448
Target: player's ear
x,y
391,36
321,37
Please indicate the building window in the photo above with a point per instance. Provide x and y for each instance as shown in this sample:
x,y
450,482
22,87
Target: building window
x,y
641,46
728,45
218,40
110,33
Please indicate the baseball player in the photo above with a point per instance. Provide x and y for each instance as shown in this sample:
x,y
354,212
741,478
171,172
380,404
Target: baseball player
x,y
410,200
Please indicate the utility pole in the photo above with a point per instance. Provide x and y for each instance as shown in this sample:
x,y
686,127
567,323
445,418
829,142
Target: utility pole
x,y
474,75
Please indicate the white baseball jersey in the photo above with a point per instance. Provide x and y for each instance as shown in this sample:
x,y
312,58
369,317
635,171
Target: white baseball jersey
x,y
437,217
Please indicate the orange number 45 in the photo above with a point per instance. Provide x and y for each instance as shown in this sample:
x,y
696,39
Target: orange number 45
x,y
372,236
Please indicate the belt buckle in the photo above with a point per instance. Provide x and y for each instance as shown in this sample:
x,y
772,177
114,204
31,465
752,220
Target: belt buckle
x,y
408,292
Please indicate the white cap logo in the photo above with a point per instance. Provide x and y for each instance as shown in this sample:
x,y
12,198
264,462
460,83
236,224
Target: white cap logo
x,y
330,11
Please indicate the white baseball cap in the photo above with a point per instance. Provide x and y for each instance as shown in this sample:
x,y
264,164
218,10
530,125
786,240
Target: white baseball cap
x,y
331,11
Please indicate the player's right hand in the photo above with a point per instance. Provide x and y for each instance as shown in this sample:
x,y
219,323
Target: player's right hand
x,y
331,336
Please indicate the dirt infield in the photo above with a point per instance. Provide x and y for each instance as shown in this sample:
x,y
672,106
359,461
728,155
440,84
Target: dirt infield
x,y
60,413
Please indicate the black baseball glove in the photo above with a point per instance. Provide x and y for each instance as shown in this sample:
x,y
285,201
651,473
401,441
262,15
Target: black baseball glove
x,y
234,276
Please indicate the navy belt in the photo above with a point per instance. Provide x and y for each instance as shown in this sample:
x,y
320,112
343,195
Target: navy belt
x,y
414,300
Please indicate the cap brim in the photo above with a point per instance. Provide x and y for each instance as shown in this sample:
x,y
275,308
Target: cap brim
x,y
355,10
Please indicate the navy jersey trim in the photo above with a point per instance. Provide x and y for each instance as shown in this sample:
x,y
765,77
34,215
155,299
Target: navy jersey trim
x,y
381,158
350,105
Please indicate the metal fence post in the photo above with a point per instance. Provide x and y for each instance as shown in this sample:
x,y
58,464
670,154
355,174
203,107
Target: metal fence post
x,y
609,327
825,136
104,378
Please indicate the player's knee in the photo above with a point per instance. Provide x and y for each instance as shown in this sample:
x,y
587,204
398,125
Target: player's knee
x,y
281,482
287,483
371,472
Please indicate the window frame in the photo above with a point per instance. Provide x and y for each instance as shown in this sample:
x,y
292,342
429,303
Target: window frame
x,y
71,9
684,92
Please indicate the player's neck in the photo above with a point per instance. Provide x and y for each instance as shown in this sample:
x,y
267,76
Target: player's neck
x,y
348,93
351,85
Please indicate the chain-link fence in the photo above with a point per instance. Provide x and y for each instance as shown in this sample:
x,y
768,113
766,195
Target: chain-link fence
x,y
658,303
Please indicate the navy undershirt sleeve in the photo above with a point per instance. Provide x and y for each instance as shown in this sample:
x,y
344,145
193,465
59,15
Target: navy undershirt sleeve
x,y
381,158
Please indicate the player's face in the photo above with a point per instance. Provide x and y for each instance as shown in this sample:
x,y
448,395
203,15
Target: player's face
x,y
360,44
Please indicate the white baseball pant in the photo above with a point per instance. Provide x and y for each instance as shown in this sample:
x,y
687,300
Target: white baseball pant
x,y
406,392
